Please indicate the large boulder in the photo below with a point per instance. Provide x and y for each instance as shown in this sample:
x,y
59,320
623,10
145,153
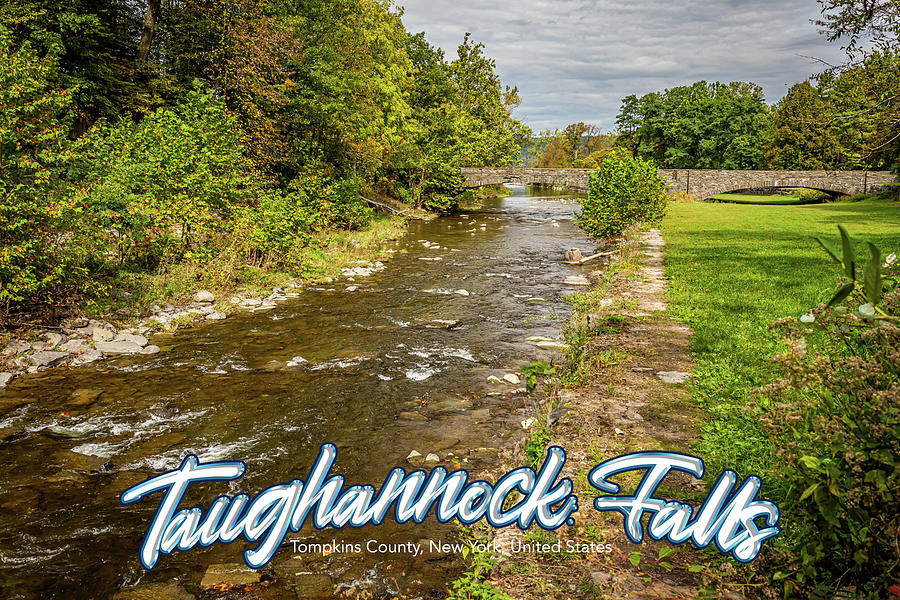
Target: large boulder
x,y
154,591
76,346
129,337
229,573
16,347
48,359
5,378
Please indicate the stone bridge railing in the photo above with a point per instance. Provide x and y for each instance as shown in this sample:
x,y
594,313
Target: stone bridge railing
x,y
701,183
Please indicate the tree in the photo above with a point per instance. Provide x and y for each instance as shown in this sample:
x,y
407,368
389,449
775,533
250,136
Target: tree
x,y
34,122
701,126
151,16
866,26
802,138
579,145
865,88
488,135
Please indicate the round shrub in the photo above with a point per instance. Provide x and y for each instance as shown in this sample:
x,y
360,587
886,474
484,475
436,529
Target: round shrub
x,y
623,191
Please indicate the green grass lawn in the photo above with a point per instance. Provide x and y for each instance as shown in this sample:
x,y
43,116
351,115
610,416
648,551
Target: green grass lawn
x,y
737,198
734,269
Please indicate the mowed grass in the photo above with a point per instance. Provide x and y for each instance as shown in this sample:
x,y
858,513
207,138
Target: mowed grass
x,y
733,270
737,198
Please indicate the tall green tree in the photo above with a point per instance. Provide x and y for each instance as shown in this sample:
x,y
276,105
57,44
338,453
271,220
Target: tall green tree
x,y
701,126
803,137
35,117
487,133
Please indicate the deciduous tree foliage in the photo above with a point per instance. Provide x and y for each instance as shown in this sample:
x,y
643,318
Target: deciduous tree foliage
x,y
803,138
579,145
175,127
701,126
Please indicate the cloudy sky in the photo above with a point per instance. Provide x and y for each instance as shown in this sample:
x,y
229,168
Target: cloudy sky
x,y
574,60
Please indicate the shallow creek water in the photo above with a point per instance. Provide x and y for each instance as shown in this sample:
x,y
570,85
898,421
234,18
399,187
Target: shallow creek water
x,y
73,440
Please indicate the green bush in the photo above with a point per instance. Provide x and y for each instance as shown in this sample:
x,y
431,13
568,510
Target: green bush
x,y
161,191
809,195
622,192
284,219
836,427
37,257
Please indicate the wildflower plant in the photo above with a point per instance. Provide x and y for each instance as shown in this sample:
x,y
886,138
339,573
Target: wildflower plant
x,y
834,418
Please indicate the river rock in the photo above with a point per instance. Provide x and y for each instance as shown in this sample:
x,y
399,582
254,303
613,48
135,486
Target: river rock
x,y
535,300
512,379
250,302
412,416
432,459
5,378
482,414
151,349
102,334
76,346
154,591
204,296
415,458
135,339
82,463
84,397
452,404
88,356
449,324
229,573
48,359
54,339
547,344
446,444
77,322
461,293
297,361
577,280
573,255
313,586
121,347
17,347
216,316
494,380
673,377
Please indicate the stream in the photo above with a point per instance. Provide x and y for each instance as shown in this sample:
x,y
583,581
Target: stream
x,y
384,375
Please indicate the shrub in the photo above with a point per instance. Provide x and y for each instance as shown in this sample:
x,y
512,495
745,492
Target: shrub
x,y
623,191
162,190
809,195
837,434
284,220
37,256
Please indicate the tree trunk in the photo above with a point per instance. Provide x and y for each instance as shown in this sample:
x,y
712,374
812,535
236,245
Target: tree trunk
x,y
150,19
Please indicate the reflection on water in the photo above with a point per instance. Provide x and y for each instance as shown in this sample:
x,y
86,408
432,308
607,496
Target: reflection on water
x,y
388,370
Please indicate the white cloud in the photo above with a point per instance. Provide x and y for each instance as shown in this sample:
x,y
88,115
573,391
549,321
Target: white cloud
x,y
574,60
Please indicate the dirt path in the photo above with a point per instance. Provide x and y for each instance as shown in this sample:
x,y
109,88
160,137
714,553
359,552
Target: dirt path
x,y
633,396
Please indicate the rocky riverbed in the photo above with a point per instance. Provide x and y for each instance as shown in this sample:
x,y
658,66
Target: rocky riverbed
x,y
80,340
411,364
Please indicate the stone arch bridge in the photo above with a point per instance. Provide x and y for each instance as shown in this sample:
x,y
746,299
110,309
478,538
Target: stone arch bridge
x,y
701,183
